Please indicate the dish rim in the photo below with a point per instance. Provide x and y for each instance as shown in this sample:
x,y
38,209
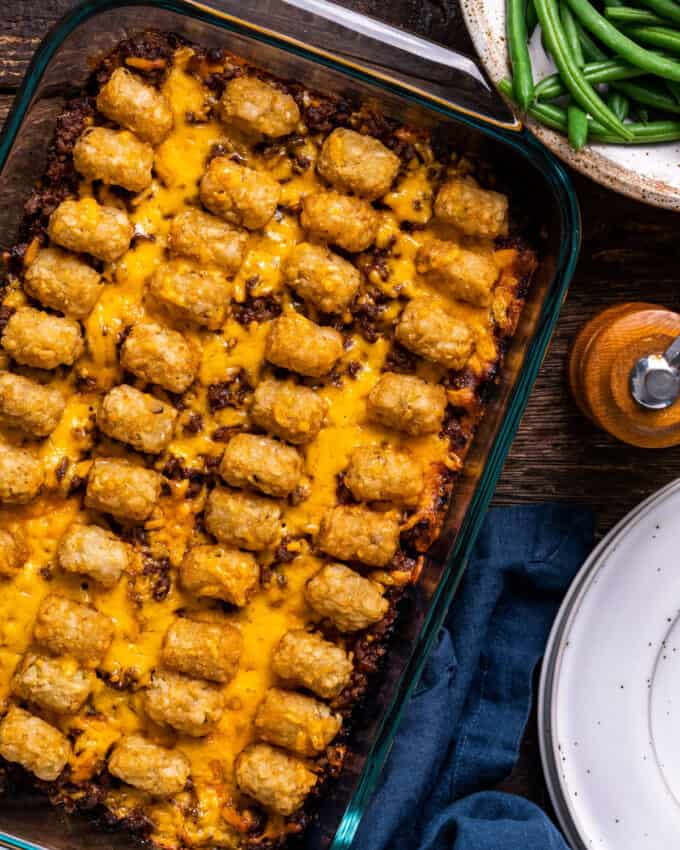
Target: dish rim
x,y
569,220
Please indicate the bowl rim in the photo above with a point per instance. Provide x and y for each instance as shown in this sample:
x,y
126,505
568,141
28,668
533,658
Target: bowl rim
x,y
589,161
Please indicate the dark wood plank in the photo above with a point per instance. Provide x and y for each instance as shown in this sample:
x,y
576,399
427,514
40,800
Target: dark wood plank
x,y
24,23
440,20
14,55
5,103
630,252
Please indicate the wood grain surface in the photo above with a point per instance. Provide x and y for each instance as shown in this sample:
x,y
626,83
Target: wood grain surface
x,y
630,252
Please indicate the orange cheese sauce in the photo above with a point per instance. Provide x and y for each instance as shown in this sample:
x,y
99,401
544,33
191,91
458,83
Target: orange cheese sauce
x,y
208,815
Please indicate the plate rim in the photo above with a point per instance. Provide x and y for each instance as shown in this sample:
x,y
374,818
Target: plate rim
x,y
553,651
591,163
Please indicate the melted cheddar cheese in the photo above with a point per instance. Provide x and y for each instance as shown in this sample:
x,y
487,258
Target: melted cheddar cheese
x,y
212,812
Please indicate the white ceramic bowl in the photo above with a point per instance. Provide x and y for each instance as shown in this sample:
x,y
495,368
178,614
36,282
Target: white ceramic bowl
x,y
650,173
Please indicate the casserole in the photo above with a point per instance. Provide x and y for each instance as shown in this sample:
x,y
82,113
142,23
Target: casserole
x,y
428,600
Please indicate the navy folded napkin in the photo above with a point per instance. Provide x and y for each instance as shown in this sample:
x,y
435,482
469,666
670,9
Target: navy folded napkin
x,y
461,733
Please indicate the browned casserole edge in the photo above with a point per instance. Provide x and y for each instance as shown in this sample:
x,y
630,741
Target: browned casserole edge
x,y
151,54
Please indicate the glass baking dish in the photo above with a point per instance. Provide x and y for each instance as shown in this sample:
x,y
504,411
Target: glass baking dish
x,y
424,84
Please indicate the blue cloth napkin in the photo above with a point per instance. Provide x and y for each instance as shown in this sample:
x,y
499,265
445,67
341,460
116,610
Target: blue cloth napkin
x,y
461,733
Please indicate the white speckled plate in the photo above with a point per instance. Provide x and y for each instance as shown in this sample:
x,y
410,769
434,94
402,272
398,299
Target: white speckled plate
x,y
609,700
650,173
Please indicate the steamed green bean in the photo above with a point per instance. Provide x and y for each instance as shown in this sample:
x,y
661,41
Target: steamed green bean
x,y
664,37
595,72
615,68
625,47
523,81
579,88
626,15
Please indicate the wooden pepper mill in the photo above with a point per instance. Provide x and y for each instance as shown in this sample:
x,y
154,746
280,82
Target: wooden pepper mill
x,y
624,372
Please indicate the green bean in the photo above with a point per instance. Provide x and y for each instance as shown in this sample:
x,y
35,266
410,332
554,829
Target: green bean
x,y
648,96
532,19
619,105
664,37
668,9
674,89
591,50
545,113
627,49
624,15
544,43
523,81
577,127
571,33
579,88
595,72
652,132
643,133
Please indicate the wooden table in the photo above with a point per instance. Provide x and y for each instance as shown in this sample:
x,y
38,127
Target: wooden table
x,y
630,252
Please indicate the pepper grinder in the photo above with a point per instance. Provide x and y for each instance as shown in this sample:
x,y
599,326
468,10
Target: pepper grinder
x,y
624,373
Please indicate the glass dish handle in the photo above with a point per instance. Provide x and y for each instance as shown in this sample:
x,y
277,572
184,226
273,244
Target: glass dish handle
x,y
431,70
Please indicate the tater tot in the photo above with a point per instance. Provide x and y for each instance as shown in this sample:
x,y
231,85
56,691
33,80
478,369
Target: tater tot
x,y
65,627
29,406
351,223
285,410
63,282
160,356
407,403
321,277
295,722
352,162
350,601
188,705
139,419
93,551
296,343
254,106
13,553
428,329
205,650
354,533
277,781
21,475
35,338
260,463
123,489
220,573
158,771
53,684
243,519
135,105
84,225
34,744
239,195
115,157
466,275
207,239
192,294
474,211
305,659
378,474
